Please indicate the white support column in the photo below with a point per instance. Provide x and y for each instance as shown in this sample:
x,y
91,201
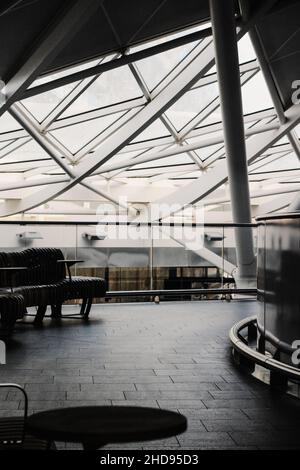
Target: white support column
x,y
227,63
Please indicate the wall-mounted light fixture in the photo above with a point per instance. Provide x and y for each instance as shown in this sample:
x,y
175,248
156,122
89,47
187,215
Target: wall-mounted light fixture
x,y
213,237
29,236
93,236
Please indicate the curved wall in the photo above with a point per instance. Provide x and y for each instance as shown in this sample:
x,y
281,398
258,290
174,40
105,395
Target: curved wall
x,y
279,283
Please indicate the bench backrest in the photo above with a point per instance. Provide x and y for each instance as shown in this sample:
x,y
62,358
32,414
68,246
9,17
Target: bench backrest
x,y
41,263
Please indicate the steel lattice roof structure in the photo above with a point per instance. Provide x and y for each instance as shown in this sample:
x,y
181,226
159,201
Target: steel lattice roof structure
x,y
107,98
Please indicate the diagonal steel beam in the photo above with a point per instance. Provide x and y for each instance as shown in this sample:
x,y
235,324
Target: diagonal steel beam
x,y
194,70
212,77
140,55
199,132
16,134
217,176
179,149
103,135
110,198
70,19
276,204
202,55
211,107
23,117
28,124
163,118
8,6
12,146
124,60
197,67
204,252
273,88
50,124
66,102
294,141
269,158
257,194
98,113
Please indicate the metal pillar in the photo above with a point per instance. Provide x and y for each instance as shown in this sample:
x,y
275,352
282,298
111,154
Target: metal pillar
x,y
227,63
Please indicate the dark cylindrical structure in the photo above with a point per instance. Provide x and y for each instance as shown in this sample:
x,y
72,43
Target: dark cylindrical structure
x,y
278,284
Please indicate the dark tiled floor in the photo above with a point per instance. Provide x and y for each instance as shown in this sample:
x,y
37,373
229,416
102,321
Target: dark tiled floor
x,y
172,355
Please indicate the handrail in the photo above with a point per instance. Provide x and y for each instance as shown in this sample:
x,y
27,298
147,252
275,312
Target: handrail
x,y
257,357
167,292
138,224
278,216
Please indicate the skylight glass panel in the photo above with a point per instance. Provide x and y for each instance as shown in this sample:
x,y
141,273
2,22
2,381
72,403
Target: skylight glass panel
x,y
8,123
42,104
156,129
164,171
124,157
191,103
68,71
155,68
205,152
119,89
5,144
283,163
256,96
111,87
297,130
76,136
180,159
245,49
215,116
29,151
283,140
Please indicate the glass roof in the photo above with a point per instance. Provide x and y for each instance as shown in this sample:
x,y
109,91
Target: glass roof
x,y
184,141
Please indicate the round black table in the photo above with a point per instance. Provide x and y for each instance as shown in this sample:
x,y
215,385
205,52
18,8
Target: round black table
x,y
95,426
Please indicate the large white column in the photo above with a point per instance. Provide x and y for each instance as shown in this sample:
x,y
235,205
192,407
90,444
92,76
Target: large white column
x,y
227,63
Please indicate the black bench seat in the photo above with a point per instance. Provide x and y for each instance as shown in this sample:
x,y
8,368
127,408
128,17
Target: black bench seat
x,y
12,308
45,282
